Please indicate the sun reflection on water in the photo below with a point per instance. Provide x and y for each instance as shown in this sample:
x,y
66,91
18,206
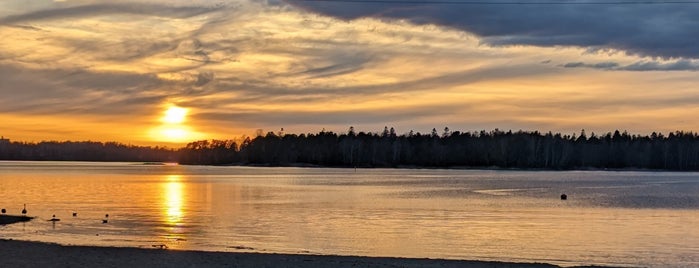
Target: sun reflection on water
x,y
173,199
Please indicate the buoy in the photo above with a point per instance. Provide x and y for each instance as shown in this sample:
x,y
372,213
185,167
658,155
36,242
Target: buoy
x,y
24,210
564,197
75,214
54,219
4,211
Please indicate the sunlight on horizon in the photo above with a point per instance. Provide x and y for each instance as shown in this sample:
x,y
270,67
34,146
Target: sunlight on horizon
x,y
174,133
173,127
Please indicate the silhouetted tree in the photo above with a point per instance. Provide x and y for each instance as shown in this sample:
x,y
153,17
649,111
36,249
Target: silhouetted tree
x,y
522,149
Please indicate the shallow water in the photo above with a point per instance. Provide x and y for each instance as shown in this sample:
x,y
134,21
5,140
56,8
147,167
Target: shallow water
x,y
611,218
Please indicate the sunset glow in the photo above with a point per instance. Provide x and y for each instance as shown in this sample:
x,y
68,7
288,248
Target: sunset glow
x,y
223,70
174,134
175,115
173,127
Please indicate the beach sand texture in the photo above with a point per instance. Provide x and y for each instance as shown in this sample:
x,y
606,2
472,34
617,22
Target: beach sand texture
x,y
16,253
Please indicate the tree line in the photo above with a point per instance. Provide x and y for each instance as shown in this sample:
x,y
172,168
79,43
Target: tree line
x,y
446,149
494,149
84,151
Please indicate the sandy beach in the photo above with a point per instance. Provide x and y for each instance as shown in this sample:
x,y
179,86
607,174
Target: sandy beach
x,y
15,253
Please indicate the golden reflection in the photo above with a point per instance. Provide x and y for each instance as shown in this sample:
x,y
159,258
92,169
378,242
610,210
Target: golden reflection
x,y
172,195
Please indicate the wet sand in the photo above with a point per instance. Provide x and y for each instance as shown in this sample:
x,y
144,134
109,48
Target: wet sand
x,y
15,253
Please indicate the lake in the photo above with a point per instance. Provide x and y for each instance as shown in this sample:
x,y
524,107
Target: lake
x,y
610,217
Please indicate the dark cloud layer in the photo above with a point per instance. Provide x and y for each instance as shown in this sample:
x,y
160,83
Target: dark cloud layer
x,y
679,65
103,9
656,30
76,91
343,117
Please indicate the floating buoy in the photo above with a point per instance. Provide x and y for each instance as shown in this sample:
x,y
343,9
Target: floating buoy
x,y
564,197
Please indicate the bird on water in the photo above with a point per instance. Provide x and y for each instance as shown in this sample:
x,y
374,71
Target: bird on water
x,y
24,210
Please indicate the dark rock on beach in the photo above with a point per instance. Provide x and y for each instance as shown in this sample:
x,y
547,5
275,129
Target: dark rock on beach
x,y
10,219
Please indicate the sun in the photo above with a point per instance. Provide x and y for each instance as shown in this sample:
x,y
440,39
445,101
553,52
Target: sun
x,y
173,127
175,115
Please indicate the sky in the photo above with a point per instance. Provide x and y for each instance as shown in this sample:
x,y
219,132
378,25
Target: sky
x,y
168,72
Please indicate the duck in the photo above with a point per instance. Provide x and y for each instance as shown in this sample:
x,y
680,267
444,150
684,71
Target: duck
x,y
54,219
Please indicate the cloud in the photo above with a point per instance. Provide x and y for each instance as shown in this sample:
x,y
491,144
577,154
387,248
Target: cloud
x,y
601,65
105,9
77,92
678,65
656,30
204,78
250,65
335,116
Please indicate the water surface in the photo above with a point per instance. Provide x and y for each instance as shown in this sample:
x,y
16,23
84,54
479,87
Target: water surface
x,y
612,218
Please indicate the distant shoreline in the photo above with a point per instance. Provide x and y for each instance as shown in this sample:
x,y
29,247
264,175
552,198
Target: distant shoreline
x,y
304,165
15,253
493,168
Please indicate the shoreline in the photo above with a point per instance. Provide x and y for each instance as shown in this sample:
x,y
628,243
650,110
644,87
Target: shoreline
x,y
368,167
409,167
17,253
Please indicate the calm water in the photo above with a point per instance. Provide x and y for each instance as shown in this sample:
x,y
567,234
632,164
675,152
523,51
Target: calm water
x,y
617,218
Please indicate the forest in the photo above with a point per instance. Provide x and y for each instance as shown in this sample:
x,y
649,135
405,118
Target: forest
x,y
454,149
83,151
446,149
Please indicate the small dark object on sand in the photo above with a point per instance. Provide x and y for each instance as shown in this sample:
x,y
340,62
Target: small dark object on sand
x,y
106,218
54,219
564,197
4,211
24,210
75,214
9,219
